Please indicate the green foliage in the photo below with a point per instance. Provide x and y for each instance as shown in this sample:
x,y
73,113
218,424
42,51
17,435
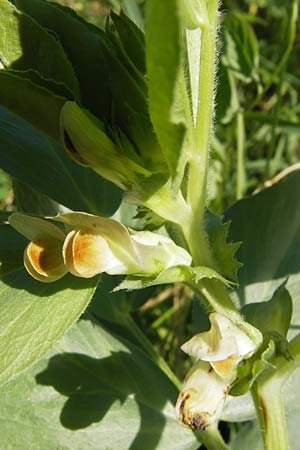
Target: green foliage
x,y
265,267
104,383
164,57
93,381
34,159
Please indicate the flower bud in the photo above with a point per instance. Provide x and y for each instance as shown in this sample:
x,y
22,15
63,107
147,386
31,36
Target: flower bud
x,y
202,397
87,143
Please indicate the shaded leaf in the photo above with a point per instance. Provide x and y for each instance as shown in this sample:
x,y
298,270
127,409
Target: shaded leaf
x,y
81,43
132,38
98,388
32,158
34,103
24,45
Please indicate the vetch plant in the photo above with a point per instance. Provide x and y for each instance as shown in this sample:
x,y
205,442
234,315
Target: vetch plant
x,y
120,117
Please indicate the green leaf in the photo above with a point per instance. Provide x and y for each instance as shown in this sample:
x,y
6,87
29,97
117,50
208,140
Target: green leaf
x,y
104,79
271,220
97,390
33,315
24,45
56,87
241,53
12,246
274,315
174,274
32,158
81,44
133,11
34,103
223,251
132,38
168,99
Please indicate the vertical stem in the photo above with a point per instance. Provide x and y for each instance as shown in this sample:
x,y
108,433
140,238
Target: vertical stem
x,y
212,439
268,398
240,138
198,164
269,404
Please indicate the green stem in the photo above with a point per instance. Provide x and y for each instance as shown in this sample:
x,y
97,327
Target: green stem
x,y
240,131
268,399
148,347
198,164
214,294
212,439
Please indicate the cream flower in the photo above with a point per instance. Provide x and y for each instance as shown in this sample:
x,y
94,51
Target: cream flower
x,y
207,384
92,245
224,345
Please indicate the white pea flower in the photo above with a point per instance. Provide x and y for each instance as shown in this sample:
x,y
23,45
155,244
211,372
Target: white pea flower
x,y
207,384
91,245
224,345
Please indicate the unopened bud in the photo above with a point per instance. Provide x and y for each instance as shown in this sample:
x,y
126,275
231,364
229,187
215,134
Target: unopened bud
x,y
87,143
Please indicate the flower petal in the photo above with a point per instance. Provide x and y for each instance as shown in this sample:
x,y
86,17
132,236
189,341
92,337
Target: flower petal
x,y
88,254
43,259
224,339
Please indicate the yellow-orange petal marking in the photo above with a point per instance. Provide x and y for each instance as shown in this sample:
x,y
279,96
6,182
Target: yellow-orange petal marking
x,y
43,259
88,254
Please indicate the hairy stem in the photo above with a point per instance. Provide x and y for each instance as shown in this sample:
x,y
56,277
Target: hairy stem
x,y
198,164
214,294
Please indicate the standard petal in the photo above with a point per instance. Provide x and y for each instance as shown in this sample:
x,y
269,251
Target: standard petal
x,y
88,254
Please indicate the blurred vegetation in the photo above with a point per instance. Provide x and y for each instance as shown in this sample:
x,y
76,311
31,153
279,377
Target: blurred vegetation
x,y
256,135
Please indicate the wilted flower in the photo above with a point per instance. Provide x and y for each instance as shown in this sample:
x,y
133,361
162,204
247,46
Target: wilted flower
x,y
202,397
92,245
219,351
